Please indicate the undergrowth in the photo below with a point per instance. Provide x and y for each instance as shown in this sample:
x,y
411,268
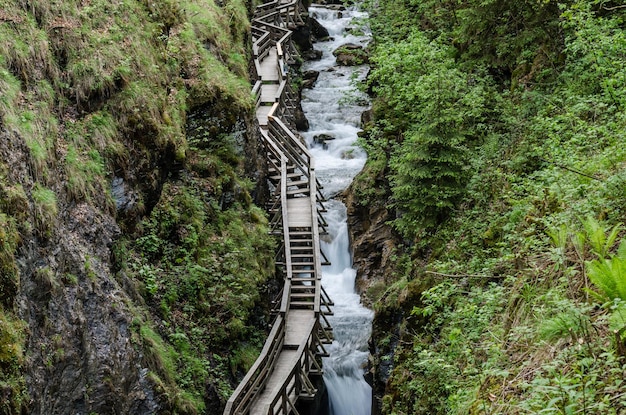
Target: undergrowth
x,y
204,257
508,189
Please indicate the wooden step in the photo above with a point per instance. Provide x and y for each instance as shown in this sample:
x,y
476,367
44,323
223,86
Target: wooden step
x,y
301,304
289,176
302,295
295,240
299,287
306,395
298,183
295,279
304,191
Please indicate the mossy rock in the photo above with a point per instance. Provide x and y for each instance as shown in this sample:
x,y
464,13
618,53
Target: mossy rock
x,y
351,54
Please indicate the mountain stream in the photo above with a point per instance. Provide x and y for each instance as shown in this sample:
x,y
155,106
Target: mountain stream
x,y
333,107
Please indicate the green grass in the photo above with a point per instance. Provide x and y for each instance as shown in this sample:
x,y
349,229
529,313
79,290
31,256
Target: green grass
x,y
46,210
93,90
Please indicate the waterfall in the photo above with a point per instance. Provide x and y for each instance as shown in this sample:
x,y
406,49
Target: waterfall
x,y
333,107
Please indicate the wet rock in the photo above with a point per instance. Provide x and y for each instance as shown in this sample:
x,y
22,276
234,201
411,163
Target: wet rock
x,y
351,54
309,78
321,140
82,356
312,55
124,197
373,241
366,117
318,31
302,37
302,124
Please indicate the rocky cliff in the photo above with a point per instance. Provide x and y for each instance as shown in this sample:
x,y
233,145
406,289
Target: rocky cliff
x,y
128,162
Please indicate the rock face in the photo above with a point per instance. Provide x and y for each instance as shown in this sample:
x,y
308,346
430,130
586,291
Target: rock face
x,y
372,241
306,34
311,55
374,244
81,353
319,32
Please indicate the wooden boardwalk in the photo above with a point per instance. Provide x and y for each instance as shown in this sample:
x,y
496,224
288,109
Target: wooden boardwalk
x,y
290,361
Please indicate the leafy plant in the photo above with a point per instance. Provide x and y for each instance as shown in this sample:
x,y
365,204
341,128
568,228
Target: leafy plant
x,y
609,274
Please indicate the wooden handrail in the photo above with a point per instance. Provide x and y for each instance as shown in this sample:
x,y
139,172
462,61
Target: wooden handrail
x,y
257,376
304,344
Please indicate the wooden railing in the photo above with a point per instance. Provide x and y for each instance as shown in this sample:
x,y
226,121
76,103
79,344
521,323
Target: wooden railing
x,y
297,383
271,28
256,377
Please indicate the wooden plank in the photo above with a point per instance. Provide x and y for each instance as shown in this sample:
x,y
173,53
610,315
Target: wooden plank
x,y
299,211
299,326
301,236
269,93
268,67
282,369
261,114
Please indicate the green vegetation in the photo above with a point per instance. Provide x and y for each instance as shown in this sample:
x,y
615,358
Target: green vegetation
x,y
203,257
500,128
12,329
46,210
12,382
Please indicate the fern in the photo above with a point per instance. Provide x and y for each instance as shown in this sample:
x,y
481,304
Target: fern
x,y
600,241
609,275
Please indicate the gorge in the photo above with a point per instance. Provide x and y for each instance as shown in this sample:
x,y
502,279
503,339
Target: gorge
x,y
484,228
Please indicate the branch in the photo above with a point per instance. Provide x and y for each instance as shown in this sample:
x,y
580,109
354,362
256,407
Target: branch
x,y
571,169
614,8
463,275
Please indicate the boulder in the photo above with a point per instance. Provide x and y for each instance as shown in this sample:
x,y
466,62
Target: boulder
x,y
318,31
351,54
302,124
312,55
321,139
309,78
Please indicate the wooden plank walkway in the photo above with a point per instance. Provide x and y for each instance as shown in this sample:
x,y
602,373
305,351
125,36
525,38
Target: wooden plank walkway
x,y
300,214
269,67
282,367
292,353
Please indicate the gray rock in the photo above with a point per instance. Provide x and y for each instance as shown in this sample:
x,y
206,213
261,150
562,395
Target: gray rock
x,y
309,78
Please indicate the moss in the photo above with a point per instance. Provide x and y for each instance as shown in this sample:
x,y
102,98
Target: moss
x,y
8,268
13,200
12,382
166,362
99,88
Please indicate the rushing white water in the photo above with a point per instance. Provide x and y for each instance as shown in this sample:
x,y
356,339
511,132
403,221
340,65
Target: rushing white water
x,y
333,107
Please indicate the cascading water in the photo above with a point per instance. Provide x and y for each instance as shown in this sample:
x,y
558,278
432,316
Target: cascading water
x,y
333,108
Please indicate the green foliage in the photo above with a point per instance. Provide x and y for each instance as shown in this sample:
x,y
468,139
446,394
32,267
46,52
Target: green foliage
x,y
203,257
8,268
165,361
438,110
609,274
96,88
498,125
12,382
600,238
